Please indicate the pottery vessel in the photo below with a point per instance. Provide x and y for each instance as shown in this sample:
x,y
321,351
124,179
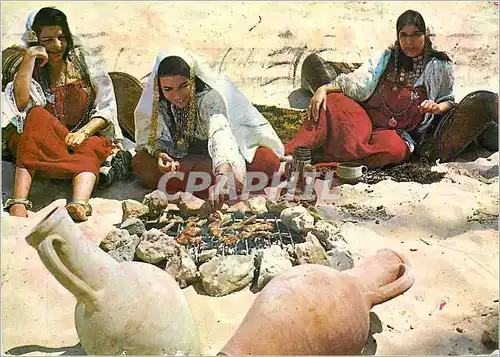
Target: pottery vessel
x,y
350,172
316,310
127,308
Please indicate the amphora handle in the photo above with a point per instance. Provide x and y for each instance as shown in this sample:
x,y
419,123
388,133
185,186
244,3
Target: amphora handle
x,y
394,289
50,258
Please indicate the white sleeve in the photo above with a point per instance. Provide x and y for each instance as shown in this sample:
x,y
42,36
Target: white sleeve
x,y
10,112
222,145
105,102
360,84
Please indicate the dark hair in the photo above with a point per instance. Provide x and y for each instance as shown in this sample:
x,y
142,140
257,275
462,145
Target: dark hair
x,y
174,65
414,18
50,16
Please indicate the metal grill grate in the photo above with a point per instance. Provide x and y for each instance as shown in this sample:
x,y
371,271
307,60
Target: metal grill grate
x,y
279,235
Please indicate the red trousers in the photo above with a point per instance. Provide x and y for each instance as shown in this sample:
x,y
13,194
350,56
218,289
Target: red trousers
x,y
41,148
345,132
146,167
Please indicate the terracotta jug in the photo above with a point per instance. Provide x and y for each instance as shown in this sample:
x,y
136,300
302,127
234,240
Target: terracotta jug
x,y
127,308
316,310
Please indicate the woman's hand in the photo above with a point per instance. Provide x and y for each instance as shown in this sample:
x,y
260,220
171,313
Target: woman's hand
x,y
430,106
318,102
74,139
167,164
38,52
22,81
226,184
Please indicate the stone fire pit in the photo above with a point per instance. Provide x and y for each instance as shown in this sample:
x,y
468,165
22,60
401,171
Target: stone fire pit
x,y
248,243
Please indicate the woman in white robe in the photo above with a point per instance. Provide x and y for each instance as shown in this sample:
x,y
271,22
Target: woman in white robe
x,y
190,119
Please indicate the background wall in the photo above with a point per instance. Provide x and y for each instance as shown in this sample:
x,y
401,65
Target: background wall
x,y
261,45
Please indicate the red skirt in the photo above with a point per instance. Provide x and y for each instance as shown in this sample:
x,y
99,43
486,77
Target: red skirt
x,y
41,148
146,168
345,133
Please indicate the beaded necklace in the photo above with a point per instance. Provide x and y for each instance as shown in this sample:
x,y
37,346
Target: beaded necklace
x,y
81,74
410,77
185,133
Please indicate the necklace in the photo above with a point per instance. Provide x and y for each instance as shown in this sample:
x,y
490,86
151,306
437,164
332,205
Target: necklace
x,y
392,122
186,120
66,98
63,118
409,78
185,123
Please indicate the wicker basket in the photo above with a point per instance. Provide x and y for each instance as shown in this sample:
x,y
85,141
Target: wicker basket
x,y
11,59
316,71
128,91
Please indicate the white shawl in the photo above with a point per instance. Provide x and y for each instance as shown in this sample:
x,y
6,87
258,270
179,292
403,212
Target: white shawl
x,y
249,128
104,105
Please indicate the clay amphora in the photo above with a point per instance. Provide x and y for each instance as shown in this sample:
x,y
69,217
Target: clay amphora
x,y
127,308
316,310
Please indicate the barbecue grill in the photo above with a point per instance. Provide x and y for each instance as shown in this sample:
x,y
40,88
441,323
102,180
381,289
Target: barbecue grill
x,y
279,235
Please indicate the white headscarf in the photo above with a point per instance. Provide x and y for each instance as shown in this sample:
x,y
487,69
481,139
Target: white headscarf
x,y
27,27
29,24
248,126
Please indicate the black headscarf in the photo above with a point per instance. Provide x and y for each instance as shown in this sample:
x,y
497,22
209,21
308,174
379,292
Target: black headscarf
x,y
414,18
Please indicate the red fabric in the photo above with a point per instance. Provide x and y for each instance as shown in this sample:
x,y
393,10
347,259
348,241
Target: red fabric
x,y
77,99
398,98
265,161
146,168
346,132
41,148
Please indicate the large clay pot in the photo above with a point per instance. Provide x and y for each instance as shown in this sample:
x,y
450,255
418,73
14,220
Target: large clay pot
x,y
316,310
127,308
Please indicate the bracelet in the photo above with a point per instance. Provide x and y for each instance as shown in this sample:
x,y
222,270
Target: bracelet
x,y
86,133
156,153
15,201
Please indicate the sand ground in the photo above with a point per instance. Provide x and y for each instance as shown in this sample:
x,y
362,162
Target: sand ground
x,y
448,230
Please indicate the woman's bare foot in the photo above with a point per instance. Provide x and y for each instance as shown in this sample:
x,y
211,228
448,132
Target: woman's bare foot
x,y
18,210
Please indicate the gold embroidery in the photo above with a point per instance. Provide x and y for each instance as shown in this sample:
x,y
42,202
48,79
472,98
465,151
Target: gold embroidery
x,y
184,139
191,120
154,115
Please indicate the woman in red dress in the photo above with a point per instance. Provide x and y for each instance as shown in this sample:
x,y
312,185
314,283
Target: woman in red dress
x,y
64,110
377,114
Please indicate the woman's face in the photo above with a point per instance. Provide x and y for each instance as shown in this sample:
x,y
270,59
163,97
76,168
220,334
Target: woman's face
x,y
54,41
176,89
411,40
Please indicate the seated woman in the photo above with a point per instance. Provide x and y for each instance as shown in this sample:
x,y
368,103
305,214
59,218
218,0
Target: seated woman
x,y
190,119
64,110
377,114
